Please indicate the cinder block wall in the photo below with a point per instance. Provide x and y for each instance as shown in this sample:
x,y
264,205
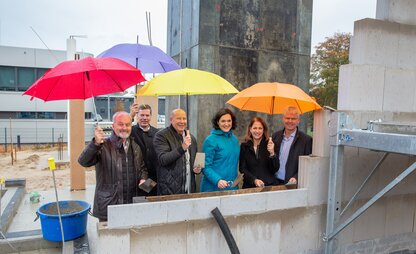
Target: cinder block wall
x,y
379,83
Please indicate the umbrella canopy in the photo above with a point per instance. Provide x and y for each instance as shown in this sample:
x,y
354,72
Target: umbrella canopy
x,y
187,82
85,78
273,98
148,59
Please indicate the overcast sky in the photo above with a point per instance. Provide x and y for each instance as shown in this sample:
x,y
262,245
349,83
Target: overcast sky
x,y
109,22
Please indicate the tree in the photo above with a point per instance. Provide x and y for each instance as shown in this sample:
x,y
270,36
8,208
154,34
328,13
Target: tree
x,y
325,63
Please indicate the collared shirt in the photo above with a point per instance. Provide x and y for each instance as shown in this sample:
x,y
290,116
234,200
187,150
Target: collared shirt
x,y
284,154
144,129
187,169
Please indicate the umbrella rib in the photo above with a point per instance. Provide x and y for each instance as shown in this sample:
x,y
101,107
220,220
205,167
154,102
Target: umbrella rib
x,y
53,88
298,106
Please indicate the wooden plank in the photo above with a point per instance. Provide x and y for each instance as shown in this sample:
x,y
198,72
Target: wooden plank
x,y
219,193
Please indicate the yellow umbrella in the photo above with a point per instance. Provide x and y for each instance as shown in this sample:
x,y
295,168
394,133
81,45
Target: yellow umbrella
x,y
273,98
186,82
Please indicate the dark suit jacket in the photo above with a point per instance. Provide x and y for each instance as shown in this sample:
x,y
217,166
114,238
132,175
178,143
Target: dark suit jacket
x,y
302,145
257,166
171,172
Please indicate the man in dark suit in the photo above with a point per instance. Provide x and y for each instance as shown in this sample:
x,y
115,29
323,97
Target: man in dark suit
x,y
143,134
290,143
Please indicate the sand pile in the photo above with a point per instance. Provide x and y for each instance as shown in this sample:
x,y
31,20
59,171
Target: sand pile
x,y
33,166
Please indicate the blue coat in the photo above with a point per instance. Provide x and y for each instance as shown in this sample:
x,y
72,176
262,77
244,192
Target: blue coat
x,y
222,153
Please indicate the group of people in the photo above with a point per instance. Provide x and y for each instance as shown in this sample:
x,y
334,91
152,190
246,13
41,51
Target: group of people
x,y
132,154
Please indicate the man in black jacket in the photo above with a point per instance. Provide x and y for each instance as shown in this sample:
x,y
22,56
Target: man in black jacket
x,y
176,149
143,134
119,165
290,143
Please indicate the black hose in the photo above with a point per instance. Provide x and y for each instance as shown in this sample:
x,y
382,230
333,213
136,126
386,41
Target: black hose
x,y
225,231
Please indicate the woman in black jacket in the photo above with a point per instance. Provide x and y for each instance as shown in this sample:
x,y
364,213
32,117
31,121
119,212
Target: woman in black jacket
x,y
258,161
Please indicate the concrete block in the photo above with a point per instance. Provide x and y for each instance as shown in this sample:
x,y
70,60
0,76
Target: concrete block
x,y
276,200
205,237
361,87
191,209
313,176
399,90
169,238
302,229
140,214
375,42
243,204
370,224
406,49
320,146
114,241
383,43
400,211
400,11
258,234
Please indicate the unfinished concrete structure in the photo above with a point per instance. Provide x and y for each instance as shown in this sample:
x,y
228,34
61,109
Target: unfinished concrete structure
x,y
244,42
377,84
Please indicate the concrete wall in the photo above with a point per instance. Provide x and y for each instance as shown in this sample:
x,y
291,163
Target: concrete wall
x,y
379,84
245,42
269,222
293,221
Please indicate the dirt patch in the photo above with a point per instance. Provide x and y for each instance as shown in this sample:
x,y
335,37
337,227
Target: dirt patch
x,y
31,165
68,208
32,158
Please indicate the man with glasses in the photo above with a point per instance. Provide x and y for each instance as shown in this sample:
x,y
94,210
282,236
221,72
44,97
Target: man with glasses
x,y
290,143
143,134
119,165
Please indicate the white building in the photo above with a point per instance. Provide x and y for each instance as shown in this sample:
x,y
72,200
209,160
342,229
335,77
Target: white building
x,y
31,121
35,121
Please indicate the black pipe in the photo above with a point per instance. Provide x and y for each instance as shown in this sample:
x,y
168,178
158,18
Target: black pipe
x,y
225,231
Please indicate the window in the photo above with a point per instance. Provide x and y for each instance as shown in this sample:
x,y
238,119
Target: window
x,y
40,72
25,77
46,115
7,78
26,115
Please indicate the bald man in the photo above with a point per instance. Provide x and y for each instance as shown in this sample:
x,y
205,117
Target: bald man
x,y
119,165
176,149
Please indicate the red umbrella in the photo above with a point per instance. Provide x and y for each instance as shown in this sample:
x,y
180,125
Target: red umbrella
x,y
85,78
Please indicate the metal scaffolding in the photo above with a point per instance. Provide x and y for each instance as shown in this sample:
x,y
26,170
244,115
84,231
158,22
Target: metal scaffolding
x,y
389,137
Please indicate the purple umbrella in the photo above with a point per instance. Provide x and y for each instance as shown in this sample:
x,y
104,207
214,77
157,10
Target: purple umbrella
x,y
148,59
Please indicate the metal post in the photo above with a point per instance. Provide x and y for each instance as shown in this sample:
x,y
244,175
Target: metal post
x,y
334,194
18,142
336,168
5,139
53,137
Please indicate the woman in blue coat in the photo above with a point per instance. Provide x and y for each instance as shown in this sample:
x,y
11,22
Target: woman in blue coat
x,y
222,153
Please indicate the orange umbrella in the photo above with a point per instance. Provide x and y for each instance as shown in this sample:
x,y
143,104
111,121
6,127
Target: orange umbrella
x,y
273,98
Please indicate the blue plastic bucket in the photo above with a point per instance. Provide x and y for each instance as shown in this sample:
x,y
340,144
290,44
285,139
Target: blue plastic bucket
x,y
74,214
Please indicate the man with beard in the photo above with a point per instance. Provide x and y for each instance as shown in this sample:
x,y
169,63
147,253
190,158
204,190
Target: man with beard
x,y
119,165
143,134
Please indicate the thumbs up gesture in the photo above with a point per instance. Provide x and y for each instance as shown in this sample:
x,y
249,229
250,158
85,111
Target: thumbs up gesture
x,y
270,147
186,140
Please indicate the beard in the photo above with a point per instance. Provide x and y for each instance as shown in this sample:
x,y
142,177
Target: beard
x,y
123,134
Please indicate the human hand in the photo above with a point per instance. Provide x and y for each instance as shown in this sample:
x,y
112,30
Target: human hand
x,y
292,181
141,181
222,184
258,183
187,140
270,147
98,135
134,109
197,170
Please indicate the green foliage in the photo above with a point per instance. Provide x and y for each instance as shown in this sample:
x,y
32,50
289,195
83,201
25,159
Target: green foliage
x,y
325,63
